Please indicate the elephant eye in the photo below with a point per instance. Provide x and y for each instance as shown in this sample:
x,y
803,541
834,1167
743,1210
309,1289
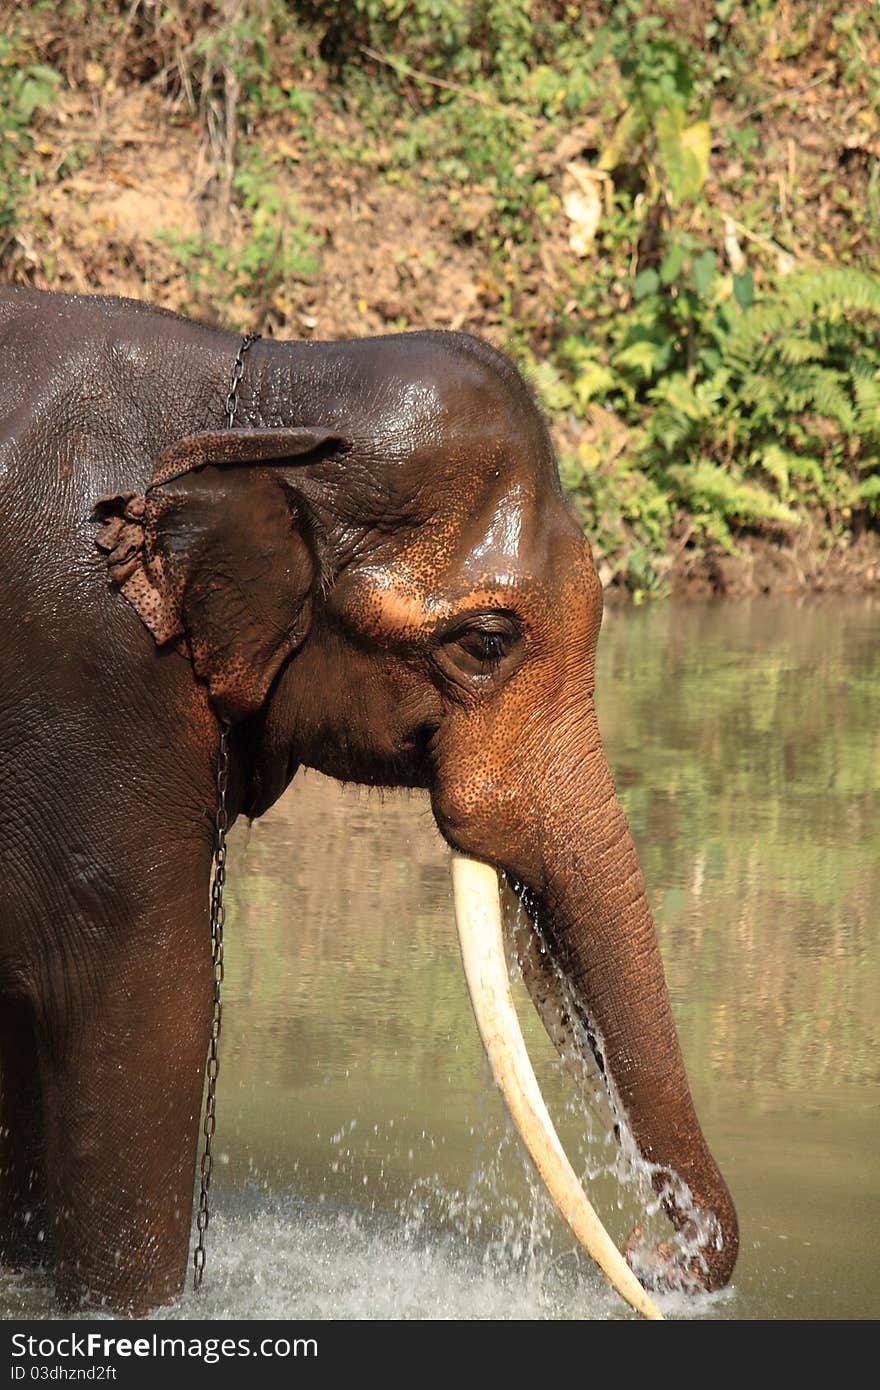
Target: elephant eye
x,y
478,648
487,647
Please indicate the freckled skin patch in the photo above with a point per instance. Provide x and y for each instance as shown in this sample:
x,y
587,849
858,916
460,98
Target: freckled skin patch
x,y
376,575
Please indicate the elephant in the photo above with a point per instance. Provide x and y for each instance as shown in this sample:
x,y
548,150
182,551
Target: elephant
x,y
352,556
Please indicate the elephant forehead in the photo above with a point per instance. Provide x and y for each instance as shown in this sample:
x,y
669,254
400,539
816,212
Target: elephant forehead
x,y
413,413
498,527
386,602
498,547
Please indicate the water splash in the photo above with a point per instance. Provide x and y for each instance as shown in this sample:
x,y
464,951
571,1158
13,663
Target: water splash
x,y
435,1258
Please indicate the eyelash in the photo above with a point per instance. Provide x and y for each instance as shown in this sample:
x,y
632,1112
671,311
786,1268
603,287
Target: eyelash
x,y
486,647
493,646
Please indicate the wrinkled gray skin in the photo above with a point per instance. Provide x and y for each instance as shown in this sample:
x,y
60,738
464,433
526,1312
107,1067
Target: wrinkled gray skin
x,y
404,600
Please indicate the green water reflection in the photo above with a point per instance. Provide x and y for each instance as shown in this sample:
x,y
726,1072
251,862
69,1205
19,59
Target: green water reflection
x,y
745,741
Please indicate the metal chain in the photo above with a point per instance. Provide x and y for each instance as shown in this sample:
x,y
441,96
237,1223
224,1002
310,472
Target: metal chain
x,y
218,919
237,374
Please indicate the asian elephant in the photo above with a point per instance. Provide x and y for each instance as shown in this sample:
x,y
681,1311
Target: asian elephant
x,y
373,572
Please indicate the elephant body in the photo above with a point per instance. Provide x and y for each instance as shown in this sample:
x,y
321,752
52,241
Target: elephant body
x,y
374,573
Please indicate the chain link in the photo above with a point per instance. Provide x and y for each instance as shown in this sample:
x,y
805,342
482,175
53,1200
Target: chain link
x,y
237,374
218,920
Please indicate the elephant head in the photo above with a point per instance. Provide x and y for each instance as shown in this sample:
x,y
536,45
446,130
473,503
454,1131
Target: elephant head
x,y
380,577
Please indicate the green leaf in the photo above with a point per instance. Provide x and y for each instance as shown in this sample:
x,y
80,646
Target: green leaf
x,y
645,283
672,263
684,154
38,90
744,289
703,272
626,133
696,141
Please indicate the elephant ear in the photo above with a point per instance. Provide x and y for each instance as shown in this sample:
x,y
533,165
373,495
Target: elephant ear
x,y
220,557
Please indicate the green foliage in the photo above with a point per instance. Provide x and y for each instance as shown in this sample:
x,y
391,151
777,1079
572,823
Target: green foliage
x,y
656,129
742,414
702,387
503,41
715,492
26,90
745,401
744,407
278,246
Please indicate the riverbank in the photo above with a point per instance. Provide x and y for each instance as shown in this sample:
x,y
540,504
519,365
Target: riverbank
x,y
761,566
669,223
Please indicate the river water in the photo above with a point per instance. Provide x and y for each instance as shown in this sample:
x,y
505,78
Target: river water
x,y
366,1167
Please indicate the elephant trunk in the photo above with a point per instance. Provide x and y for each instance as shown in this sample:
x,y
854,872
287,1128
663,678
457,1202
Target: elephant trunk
x,y
603,965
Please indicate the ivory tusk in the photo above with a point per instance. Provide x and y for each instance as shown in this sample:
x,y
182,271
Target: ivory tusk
x,y
481,938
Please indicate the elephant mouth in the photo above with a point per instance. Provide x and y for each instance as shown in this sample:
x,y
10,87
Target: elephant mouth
x,y
482,942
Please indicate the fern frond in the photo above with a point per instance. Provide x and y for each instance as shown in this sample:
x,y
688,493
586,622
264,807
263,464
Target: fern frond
x,y
795,350
869,493
828,395
706,485
801,305
867,394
